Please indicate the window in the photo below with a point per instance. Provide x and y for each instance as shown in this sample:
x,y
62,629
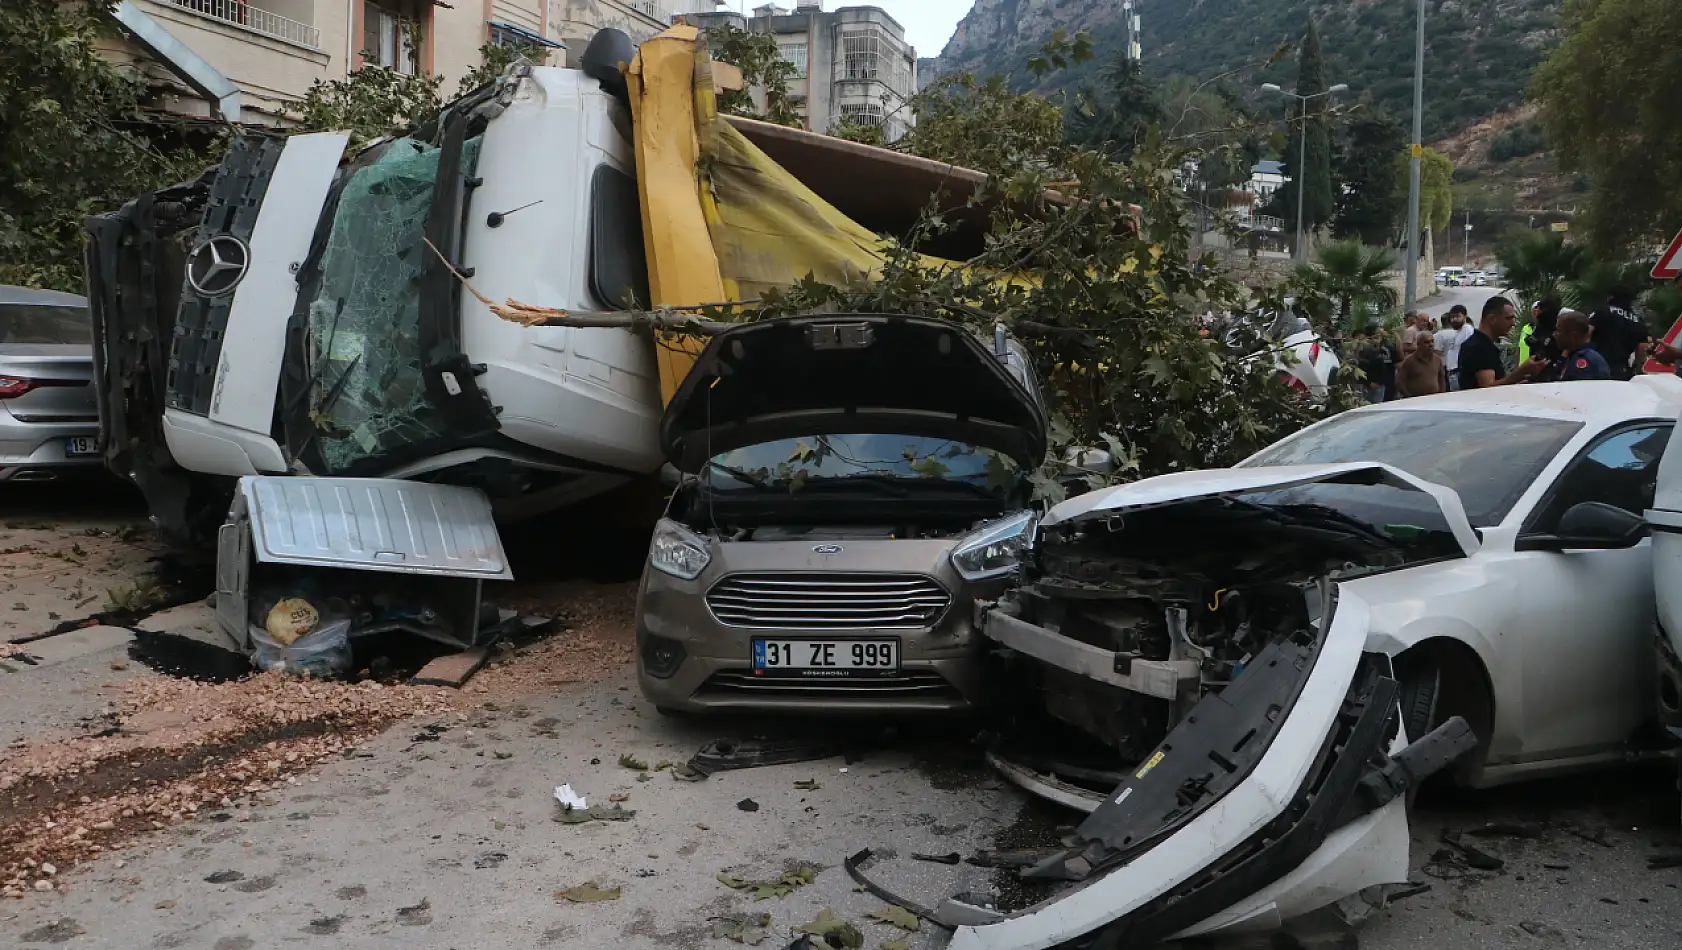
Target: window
x,y
862,113
861,53
1450,448
502,35
31,323
1620,469
618,261
390,39
795,53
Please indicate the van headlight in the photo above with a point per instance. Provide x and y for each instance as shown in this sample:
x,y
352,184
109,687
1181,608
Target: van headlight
x,y
678,551
996,549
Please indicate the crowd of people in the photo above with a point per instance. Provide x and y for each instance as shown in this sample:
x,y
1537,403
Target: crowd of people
x,y
1559,345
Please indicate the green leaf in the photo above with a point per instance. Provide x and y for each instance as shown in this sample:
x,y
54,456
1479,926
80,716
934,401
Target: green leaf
x,y
588,893
898,917
629,761
834,930
742,928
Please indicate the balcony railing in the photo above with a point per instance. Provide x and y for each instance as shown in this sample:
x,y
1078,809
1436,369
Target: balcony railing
x,y
242,13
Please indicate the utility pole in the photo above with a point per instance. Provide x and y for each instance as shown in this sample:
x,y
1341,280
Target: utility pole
x,y
1466,254
1418,150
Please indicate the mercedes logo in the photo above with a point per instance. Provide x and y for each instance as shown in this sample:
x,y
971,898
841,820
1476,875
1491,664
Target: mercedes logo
x,y
827,549
217,266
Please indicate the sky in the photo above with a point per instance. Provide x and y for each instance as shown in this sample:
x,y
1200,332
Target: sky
x,y
928,23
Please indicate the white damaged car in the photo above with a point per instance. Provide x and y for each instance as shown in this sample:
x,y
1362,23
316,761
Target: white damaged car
x,y
1271,657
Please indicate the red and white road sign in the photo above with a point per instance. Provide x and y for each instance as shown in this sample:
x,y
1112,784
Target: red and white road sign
x,y
1670,340
1669,266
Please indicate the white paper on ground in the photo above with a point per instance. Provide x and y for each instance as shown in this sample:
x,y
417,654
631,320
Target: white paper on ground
x,y
568,798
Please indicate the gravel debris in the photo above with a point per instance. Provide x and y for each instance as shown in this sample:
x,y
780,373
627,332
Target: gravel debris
x,y
181,750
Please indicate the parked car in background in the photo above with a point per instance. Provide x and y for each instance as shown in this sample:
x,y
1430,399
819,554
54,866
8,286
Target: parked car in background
x,y
1311,364
849,486
49,416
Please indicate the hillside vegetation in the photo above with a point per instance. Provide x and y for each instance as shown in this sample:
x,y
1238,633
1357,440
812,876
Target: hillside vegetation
x,y
1478,60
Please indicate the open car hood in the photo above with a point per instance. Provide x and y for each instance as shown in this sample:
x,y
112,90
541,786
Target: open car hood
x,y
1187,486
850,373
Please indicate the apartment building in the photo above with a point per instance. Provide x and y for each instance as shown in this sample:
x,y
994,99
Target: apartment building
x,y
852,63
249,60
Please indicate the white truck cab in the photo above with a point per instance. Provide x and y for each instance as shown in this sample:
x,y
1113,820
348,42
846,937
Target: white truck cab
x,y
291,312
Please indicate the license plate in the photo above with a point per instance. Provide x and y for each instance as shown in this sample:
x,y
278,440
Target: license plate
x,y
825,657
82,445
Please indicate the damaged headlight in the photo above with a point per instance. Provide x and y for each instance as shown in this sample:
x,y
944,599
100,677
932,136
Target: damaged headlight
x,y
678,552
994,550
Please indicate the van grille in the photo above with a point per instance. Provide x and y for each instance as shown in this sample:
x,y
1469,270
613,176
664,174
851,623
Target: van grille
x,y
828,601
908,685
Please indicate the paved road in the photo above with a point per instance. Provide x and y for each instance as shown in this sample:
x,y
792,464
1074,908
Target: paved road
x,y
465,825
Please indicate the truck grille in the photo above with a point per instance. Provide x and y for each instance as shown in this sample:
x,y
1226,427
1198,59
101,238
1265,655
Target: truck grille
x,y
828,601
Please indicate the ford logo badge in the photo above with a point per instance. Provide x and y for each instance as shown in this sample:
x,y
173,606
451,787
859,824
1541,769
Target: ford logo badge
x,y
827,549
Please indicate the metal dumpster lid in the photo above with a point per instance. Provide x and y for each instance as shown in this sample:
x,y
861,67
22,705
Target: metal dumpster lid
x,y
374,524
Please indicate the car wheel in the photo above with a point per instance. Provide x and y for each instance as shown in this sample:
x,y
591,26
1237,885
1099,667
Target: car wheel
x,y
1419,691
1420,688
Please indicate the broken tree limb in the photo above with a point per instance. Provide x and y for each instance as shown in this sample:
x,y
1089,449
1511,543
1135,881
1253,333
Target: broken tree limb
x,y
664,319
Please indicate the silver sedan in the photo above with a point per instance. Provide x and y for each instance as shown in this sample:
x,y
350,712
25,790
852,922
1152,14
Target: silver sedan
x,y
49,414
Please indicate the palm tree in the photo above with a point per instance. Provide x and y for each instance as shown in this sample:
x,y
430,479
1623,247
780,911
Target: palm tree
x,y
1357,277
1539,263
1596,282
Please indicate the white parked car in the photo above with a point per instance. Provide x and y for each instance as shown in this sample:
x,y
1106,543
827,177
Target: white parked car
x,y
1310,366
1273,655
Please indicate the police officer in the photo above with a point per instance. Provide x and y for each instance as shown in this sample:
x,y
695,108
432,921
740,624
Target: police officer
x,y
1578,358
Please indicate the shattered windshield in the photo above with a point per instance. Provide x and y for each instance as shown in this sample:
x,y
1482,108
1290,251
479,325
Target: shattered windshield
x,y
1452,449
369,397
893,461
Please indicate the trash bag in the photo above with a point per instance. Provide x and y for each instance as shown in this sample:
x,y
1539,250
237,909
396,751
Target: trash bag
x,y
323,653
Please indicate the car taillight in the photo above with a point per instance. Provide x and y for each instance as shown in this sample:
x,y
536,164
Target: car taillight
x,y
1293,382
13,386
1313,353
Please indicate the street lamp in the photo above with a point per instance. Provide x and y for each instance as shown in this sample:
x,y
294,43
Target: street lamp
x,y
1301,175
1417,151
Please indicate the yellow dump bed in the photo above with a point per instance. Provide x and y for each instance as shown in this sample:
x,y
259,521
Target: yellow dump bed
x,y
724,220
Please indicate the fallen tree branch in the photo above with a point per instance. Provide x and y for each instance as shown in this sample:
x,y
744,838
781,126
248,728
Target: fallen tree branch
x,y
664,319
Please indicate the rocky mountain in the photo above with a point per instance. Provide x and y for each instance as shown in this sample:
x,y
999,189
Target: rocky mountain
x,y
1478,58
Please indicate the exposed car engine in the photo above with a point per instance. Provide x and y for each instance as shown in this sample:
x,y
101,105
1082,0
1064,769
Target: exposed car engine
x,y
1195,591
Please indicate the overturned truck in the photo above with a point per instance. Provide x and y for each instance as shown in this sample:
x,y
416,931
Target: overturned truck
x,y
299,309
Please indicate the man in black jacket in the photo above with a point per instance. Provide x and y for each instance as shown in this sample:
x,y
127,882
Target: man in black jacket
x,y
1621,335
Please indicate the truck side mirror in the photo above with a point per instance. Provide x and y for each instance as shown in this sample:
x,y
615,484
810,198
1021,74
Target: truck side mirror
x,y
670,477
1084,461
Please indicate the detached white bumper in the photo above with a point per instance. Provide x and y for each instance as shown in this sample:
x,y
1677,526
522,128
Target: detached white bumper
x,y
1192,844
